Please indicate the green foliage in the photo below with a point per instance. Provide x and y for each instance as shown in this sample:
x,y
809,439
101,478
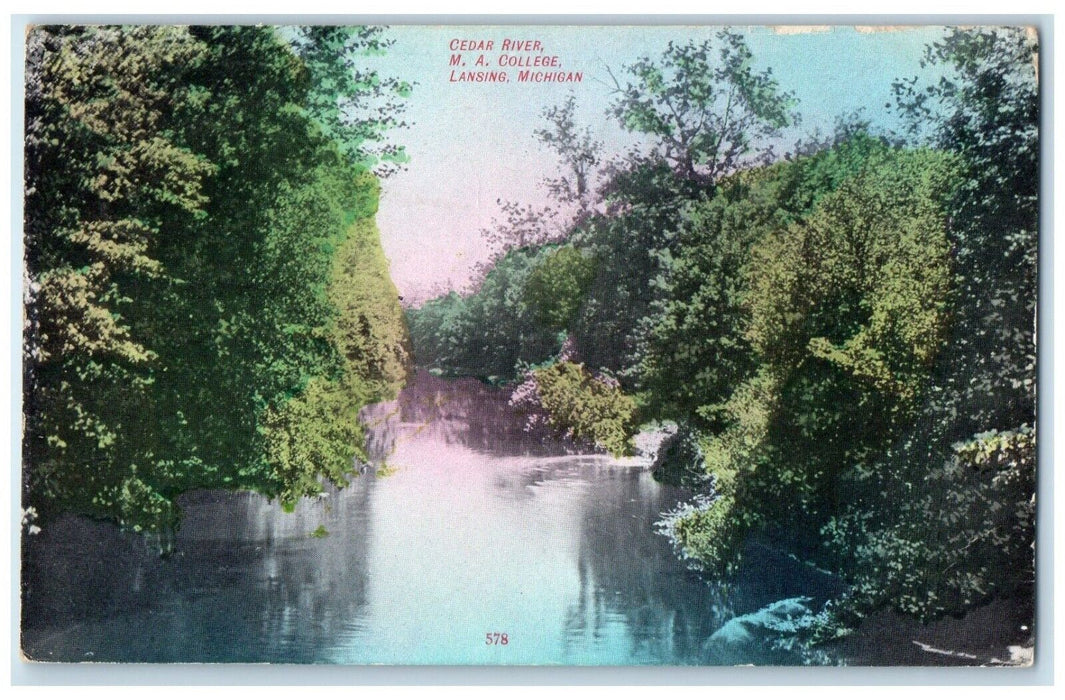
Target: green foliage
x,y
708,532
557,285
986,110
492,332
705,105
645,206
437,331
886,429
863,282
103,177
585,408
209,306
964,533
708,114
315,434
839,308
354,104
952,523
369,331
694,350
142,509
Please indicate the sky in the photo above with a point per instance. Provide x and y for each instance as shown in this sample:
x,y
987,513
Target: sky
x,y
471,144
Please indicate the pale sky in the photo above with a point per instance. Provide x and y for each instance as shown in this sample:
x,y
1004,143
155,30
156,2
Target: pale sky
x,y
472,143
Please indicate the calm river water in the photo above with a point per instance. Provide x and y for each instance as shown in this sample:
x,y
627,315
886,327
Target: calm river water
x,y
469,529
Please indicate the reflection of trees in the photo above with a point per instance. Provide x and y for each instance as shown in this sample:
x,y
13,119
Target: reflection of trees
x,y
245,584
623,571
669,611
463,412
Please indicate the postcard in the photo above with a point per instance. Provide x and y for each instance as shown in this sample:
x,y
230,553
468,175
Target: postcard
x,y
590,345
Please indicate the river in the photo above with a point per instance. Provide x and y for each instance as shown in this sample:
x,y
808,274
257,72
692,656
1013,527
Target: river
x,y
468,530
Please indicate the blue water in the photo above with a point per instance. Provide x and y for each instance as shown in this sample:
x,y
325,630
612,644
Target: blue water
x,y
468,529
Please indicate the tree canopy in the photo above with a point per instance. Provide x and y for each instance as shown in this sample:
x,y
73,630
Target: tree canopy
x,y
208,302
708,110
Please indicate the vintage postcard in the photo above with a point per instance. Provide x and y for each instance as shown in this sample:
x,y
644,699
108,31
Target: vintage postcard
x,y
530,345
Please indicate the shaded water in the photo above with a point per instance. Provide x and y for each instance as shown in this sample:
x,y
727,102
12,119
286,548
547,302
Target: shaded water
x,y
470,528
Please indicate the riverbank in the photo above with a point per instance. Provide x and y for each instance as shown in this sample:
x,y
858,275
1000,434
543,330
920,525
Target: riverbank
x,y
994,634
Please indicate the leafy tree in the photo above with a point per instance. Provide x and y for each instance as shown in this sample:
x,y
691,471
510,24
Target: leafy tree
x,y
644,209
438,332
356,105
104,176
708,113
522,226
557,285
848,311
206,283
585,408
491,332
986,109
953,523
579,155
706,107
694,349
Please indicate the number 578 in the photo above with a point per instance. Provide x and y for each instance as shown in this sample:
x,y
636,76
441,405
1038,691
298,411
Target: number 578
x,y
496,638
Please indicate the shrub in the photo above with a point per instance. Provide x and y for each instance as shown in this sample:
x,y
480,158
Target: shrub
x,y
579,406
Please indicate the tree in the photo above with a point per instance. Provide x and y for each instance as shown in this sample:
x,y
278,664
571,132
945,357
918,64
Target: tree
x,y
847,313
491,332
578,406
694,351
536,225
706,107
522,226
105,176
206,283
556,287
355,105
644,208
986,110
708,113
578,155
952,524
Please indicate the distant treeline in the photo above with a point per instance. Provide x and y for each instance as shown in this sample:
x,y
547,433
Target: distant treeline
x,y
846,334
208,304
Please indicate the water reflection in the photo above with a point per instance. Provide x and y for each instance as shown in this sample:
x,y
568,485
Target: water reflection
x,y
477,529
455,412
246,583
636,599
